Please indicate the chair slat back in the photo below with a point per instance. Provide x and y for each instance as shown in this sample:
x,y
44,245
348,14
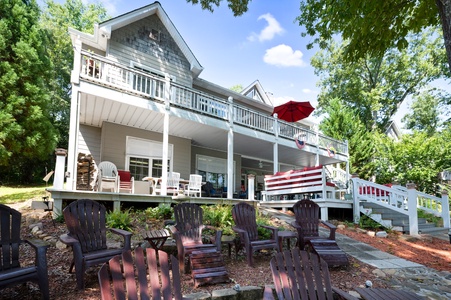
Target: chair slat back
x,y
86,221
307,216
245,218
9,237
189,218
140,274
173,179
107,168
195,181
298,274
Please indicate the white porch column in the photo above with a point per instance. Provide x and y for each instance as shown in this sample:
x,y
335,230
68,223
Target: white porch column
x,y
412,208
164,180
231,174
74,125
58,179
276,146
317,146
445,209
356,204
250,186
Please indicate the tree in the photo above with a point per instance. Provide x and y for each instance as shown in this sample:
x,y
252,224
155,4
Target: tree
x,y
376,87
342,123
56,19
238,7
425,115
372,27
26,132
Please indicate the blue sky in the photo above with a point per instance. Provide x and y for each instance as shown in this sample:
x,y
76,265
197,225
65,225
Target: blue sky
x,y
264,44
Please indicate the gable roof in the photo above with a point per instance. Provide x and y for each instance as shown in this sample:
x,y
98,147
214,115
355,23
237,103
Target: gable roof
x,y
102,32
255,91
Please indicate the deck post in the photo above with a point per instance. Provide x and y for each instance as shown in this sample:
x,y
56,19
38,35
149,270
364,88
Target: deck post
x,y
167,107
356,205
412,208
276,145
230,171
250,186
445,209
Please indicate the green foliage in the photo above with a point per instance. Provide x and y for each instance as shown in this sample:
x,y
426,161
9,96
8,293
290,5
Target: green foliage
x,y
26,131
430,218
219,216
366,222
162,211
425,114
238,7
372,27
342,123
119,219
374,87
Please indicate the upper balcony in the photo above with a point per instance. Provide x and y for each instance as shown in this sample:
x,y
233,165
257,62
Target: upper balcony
x,y
106,73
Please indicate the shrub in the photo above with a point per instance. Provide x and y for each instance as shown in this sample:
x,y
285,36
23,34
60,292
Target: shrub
x,y
162,211
119,219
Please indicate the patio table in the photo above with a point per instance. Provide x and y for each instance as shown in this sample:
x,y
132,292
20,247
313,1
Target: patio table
x,y
157,238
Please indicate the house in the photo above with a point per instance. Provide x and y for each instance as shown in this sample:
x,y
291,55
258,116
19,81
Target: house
x,y
138,101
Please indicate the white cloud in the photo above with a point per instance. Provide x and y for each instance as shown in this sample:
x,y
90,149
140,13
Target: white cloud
x,y
272,28
308,91
284,56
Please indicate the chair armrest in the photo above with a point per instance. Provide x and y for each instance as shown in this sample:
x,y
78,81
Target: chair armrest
x,y
243,233
343,295
68,240
274,230
268,294
332,229
37,243
125,234
218,236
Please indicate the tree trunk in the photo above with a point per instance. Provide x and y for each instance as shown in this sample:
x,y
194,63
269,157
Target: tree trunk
x,y
444,10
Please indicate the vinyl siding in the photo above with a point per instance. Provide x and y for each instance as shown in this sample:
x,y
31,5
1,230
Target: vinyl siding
x,y
89,141
114,138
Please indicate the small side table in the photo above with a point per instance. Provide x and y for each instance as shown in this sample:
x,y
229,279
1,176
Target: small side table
x,y
157,238
286,235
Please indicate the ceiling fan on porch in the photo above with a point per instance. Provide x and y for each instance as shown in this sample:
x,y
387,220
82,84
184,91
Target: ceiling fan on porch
x,y
262,164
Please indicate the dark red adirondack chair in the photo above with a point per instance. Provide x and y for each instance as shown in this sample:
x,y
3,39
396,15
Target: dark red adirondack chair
x,y
188,231
302,275
86,223
307,222
140,274
11,270
246,226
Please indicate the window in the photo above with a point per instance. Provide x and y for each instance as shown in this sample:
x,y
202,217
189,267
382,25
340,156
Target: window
x,y
144,158
213,170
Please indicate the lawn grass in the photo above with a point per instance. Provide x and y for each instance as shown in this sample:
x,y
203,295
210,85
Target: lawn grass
x,y
16,194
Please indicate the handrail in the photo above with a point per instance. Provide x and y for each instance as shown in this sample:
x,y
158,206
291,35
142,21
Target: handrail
x,y
149,85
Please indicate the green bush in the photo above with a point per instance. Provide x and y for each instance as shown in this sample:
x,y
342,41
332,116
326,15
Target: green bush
x,y
366,222
119,219
162,211
219,216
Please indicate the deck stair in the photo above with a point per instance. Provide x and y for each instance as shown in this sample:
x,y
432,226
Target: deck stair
x,y
394,220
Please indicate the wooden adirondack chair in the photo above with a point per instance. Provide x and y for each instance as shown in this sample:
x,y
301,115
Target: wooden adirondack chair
x,y
307,222
86,223
140,274
11,271
307,225
246,226
188,231
301,275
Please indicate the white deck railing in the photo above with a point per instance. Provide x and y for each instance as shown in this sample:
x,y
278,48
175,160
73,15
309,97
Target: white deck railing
x,y
400,199
109,73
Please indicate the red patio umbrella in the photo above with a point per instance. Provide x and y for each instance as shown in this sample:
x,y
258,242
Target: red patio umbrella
x,y
293,111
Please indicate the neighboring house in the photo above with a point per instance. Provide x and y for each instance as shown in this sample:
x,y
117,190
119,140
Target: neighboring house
x,y
138,101
393,131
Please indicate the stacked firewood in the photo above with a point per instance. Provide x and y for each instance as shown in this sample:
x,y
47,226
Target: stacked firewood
x,y
86,172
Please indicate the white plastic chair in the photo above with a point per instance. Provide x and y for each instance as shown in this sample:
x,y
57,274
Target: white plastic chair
x,y
173,183
194,187
108,177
